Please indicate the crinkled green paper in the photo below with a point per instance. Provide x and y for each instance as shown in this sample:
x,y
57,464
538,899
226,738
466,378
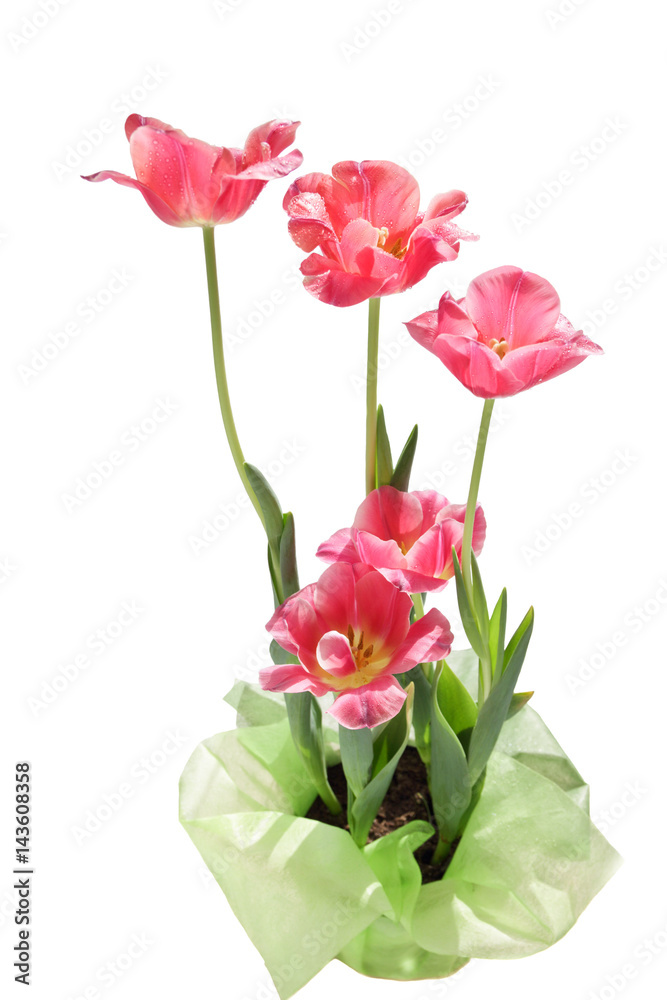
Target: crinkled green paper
x,y
528,864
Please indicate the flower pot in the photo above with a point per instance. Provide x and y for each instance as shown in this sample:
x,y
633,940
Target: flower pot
x,y
528,862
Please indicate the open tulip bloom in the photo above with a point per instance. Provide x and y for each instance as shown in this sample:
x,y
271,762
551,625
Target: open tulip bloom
x,y
373,239
506,335
498,856
187,182
411,538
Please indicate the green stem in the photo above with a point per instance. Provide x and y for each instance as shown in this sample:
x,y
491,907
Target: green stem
x,y
325,792
440,853
372,391
220,374
466,548
418,602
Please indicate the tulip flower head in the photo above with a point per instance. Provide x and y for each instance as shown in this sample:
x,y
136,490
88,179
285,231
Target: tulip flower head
x,y
408,537
187,182
506,335
351,634
373,239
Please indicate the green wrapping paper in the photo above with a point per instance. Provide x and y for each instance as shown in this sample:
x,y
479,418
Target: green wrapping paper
x,y
529,862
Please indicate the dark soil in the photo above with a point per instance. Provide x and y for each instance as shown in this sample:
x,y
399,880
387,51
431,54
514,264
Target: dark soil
x,y
407,799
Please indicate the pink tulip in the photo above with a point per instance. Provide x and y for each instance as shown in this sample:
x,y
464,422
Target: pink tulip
x,y
351,634
373,239
186,182
408,537
505,336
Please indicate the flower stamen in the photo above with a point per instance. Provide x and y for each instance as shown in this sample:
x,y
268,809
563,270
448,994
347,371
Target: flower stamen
x,y
499,347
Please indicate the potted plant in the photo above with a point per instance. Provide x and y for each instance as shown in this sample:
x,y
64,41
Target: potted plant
x,y
383,800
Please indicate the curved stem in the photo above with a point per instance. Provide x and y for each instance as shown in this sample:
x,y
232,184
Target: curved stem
x,y
371,391
466,547
220,373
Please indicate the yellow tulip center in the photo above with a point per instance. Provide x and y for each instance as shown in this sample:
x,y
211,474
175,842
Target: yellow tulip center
x,y
396,250
499,347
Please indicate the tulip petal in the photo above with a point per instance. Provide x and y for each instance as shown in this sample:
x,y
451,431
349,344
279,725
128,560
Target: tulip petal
x,y
390,514
183,172
326,280
335,656
161,209
277,135
309,223
540,362
369,706
516,305
425,250
428,639
339,548
267,170
291,677
358,235
378,553
446,206
383,612
424,328
433,506
295,624
381,192
334,596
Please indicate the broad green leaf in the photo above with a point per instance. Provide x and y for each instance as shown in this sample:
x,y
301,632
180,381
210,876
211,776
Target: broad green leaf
x,y
387,751
305,719
493,712
449,779
268,501
356,755
385,468
497,631
288,567
401,477
456,704
466,612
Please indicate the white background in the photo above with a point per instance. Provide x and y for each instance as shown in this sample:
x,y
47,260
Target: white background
x,y
495,98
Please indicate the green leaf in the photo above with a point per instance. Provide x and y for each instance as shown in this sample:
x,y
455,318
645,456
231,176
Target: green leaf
x,y
493,712
279,655
421,716
401,477
456,704
288,567
449,778
467,615
305,719
518,701
268,501
479,601
387,751
497,631
356,755
385,467
518,642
